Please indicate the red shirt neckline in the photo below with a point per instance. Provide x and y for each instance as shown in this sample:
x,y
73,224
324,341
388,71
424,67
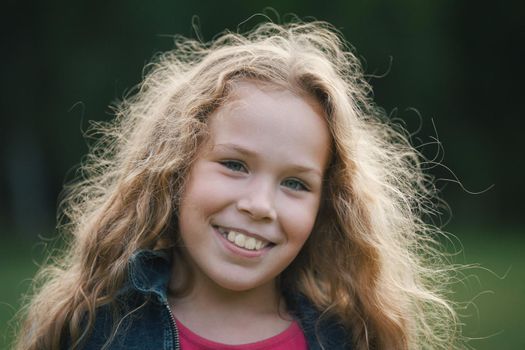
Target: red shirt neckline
x,y
195,341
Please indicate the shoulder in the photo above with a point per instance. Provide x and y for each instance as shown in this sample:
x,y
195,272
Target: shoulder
x,y
137,318
138,323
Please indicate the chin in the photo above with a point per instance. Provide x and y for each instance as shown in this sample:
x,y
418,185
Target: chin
x,y
238,284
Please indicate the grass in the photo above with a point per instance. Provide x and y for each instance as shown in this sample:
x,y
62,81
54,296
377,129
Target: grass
x,y
18,264
492,296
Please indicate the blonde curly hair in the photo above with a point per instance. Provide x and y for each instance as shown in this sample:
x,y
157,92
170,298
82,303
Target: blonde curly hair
x,y
370,261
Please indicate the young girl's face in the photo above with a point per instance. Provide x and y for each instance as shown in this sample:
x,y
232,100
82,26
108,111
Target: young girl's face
x,y
254,190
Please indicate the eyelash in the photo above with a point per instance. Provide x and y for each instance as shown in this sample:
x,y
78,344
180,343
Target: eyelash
x,y
302,186
293,184
232,165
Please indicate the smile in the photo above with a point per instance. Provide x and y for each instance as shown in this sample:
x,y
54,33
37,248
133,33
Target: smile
x,y
241,240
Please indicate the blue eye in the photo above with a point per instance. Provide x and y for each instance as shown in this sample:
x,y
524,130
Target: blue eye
x,y
294,184
234,165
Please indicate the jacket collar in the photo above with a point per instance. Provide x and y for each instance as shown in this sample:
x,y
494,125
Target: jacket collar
x,y
149,273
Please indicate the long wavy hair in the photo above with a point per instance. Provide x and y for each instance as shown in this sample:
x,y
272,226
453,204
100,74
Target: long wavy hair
x,y
370,261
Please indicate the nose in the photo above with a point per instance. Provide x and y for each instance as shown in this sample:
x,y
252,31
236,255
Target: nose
x,y
258,201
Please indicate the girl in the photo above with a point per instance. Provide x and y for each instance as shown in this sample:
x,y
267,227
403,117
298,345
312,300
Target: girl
x,y
249,196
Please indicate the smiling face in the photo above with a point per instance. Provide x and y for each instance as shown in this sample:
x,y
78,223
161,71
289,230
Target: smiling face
x,y
254,190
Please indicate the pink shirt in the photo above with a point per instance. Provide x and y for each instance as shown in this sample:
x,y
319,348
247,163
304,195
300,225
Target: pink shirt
x,y
290,339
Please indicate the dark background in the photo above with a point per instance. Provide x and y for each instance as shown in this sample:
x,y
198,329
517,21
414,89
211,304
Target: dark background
x,y
458,63
452,68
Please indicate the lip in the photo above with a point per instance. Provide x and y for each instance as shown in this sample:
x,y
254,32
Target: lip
x,y
232,248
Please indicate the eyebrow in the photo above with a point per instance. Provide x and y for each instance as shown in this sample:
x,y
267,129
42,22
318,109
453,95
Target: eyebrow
x,y
236,148
250,153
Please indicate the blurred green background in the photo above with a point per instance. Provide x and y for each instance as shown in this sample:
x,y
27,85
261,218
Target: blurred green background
x,y
451,69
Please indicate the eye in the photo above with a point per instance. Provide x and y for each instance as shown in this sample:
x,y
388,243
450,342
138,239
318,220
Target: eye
x,y
294,184
234,165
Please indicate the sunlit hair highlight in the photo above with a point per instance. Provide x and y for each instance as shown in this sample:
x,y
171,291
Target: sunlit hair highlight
x,y
371,261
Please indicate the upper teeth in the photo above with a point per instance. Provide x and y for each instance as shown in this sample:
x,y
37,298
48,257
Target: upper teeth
x,y
243,241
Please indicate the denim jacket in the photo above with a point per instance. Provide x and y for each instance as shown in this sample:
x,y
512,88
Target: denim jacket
x,y
149,324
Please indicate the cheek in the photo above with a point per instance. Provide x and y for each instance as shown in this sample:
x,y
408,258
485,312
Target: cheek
x,y
298,221
204,193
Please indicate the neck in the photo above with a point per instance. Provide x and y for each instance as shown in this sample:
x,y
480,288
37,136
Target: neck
x,y
195,289
218,313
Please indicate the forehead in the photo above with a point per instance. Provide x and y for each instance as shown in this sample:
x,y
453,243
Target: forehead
x,y
273,121
257,91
